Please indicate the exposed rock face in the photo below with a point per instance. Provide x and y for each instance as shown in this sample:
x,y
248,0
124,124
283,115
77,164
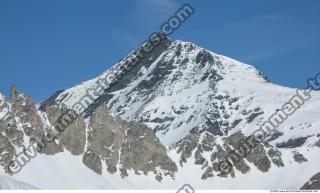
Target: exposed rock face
x,y
25,110
292,143
106,137
33,123
236,150
142,151
298,157
253,151
275,156
124,146
119,144
92,161
11,136
313,183
22,121
7,152
70,129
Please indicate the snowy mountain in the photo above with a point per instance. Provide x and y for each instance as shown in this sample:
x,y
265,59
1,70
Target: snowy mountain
x,y
171,120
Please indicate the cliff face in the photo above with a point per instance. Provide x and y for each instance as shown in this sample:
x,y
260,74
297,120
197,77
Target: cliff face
x,y
106,139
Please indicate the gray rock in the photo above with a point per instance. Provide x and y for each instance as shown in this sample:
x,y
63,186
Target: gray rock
x,y
70,129
24,108
275,156
292,143
317,144
313,183
132,145
208,174
7,153
92,161
298,157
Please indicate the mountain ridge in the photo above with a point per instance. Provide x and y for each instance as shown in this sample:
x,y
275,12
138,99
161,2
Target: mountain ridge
x,y
181,107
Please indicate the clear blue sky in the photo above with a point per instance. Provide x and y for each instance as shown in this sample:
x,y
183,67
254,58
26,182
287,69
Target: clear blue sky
x,y
50,45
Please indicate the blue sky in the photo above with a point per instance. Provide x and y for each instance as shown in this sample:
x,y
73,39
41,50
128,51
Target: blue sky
x,y
50,45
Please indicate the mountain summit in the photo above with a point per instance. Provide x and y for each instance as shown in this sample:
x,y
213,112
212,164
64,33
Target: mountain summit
x,y
170,120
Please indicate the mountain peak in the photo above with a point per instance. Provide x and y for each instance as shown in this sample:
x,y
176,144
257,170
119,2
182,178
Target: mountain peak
x,y
181,106
180,73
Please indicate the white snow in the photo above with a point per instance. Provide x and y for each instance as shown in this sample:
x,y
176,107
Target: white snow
x,y
179,103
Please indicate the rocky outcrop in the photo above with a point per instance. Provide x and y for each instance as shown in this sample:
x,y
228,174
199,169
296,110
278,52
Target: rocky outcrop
x,y
11,136
105,139
22,124
292,143
223,157
298,157
120,145
125,146
70,129
7,152
275,156
313,183
24,108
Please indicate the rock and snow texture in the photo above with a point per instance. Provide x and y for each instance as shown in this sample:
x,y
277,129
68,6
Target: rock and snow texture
x,y
170,121
313,183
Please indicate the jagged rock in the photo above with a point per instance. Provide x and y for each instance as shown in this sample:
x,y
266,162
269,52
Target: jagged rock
x,y
252,152
208,174
199,160
11,137
106,137
275,136
275,156
202,144
186,146
298,157
70,129
259,158
203,57
14,93
258,111
142,151
24,108
137,144
92,161
292,143
7,153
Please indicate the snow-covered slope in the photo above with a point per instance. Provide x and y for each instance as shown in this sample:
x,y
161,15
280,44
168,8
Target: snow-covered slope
x,y
188,88
65,171
199,104
7,183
